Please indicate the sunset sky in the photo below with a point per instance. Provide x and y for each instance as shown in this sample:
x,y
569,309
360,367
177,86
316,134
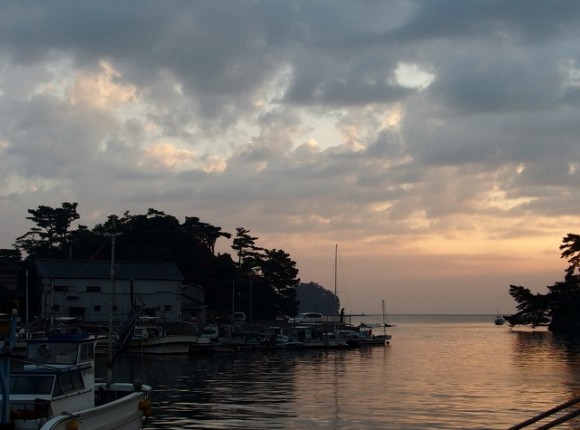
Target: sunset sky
x,y
436,142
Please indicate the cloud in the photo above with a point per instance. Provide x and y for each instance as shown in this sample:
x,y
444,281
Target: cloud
x,y
426,134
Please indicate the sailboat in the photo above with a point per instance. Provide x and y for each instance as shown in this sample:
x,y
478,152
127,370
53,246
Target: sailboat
x,y
370,338
54,387
499,319
320,335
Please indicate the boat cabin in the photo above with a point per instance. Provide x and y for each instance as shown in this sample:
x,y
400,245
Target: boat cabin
x,y
67,349
60,377
142,332
54,388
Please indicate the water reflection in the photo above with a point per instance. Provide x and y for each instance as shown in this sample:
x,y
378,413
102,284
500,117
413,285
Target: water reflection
x,y
438,376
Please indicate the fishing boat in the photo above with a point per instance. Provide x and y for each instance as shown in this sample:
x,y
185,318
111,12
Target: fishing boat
x,y
54,388
154,336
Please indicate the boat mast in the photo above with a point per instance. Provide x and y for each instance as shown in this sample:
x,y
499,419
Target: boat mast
x,y
335,277
383,309
335,266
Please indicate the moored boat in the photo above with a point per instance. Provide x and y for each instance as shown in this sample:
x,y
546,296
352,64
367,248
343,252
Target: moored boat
x,y
368,338
366,335
151,336
54,388
499,319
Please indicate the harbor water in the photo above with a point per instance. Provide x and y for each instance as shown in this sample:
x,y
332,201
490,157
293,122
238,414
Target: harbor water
x,y
439,372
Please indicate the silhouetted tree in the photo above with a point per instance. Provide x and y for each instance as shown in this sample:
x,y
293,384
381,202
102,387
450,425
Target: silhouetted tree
x,y
50,236
532,308
279,276
204,233
157,236
571,250
561,305
245,246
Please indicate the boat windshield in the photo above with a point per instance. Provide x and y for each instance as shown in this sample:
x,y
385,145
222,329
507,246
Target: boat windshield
x,y
31,384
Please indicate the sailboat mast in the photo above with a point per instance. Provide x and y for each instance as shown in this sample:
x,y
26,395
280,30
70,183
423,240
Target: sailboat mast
x,y
335,267
383,309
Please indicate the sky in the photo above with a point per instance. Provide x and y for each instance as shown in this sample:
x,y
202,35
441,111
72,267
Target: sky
x,y
436,143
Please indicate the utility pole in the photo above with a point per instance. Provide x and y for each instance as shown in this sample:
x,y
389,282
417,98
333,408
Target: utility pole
x,y
112,293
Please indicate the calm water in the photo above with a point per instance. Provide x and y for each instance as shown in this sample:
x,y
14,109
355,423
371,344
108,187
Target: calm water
x,y
440,372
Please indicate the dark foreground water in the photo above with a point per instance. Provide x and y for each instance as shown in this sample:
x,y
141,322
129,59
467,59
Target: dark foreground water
x,y
440,372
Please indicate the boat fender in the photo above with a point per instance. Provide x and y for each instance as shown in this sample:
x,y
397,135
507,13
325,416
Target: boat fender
x,y
72,425
145,404
145,407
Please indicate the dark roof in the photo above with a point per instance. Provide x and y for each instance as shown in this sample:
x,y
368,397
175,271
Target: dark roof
x,y
99,269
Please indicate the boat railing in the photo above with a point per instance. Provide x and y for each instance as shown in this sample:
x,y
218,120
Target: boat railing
x,y
337,319
126,331
551,418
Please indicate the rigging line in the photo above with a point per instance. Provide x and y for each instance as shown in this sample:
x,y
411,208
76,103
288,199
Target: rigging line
x,y
344,279
90,260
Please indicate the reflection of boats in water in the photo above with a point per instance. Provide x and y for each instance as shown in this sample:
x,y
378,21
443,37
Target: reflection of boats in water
x,y
54,388
154,336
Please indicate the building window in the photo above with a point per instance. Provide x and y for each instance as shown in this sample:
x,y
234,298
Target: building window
x,y
60,288
93,289
97,308
167,308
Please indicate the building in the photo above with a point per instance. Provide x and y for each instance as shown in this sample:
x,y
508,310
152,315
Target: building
x,y
193,307
85,289
11,297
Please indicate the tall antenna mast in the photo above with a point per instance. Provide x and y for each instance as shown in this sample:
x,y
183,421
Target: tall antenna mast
x,y
112,294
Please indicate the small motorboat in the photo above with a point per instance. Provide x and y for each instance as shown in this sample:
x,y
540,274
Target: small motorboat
x,y
54,388
499,319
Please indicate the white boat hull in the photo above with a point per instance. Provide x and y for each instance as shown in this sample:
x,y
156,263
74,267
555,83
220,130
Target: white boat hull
x,y
172,344
121,414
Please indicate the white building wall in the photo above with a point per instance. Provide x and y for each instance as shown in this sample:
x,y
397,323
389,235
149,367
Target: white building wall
x,y
159,298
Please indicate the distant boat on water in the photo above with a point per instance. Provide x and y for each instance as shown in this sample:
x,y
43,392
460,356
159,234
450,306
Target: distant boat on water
x,y
499,319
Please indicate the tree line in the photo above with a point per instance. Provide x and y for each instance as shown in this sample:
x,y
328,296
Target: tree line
x,y
559,307
269,276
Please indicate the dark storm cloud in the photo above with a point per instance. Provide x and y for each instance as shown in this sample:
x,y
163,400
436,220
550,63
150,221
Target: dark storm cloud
x,y
533,22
